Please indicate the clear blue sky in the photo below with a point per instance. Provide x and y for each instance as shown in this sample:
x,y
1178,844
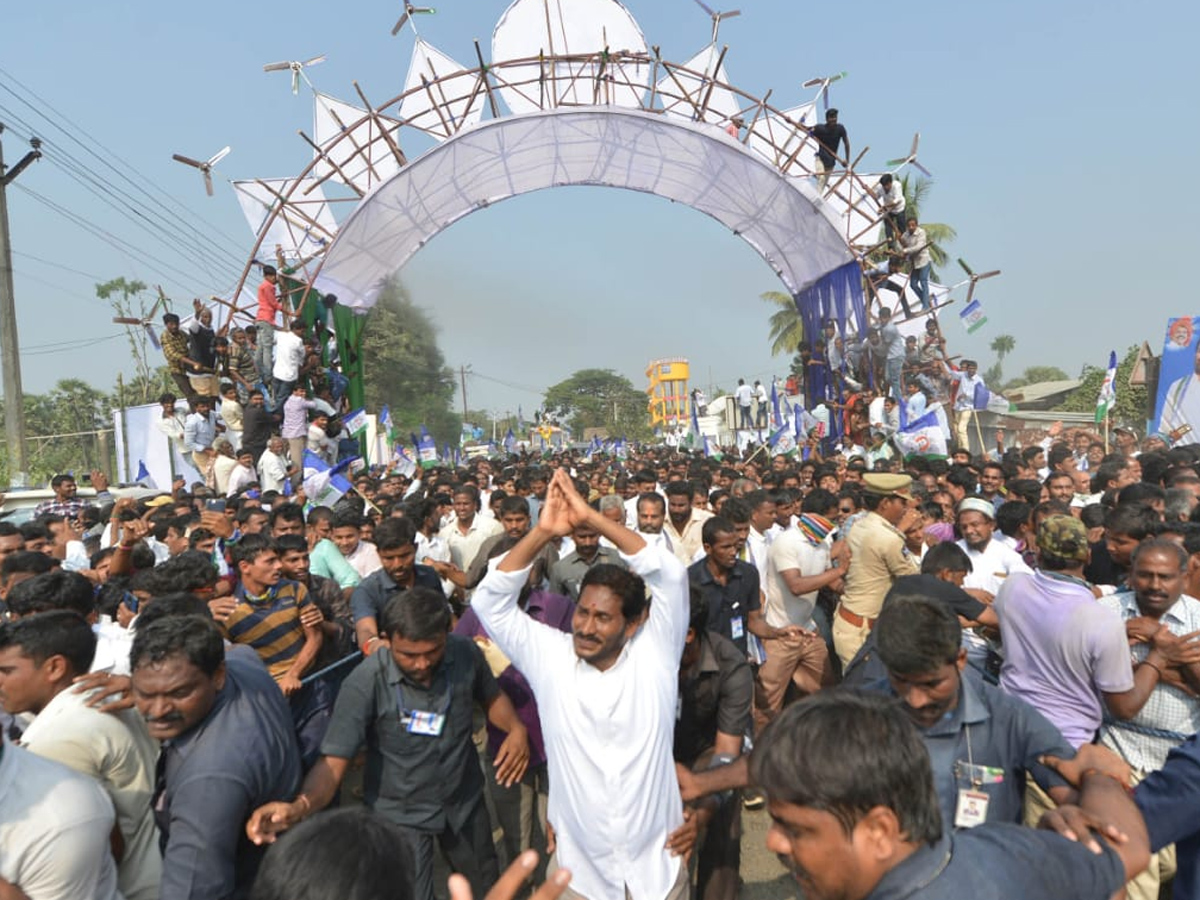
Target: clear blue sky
x,y
1060,135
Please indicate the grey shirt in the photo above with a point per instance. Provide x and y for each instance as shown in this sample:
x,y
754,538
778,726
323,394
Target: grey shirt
x,y
241,755
568,572
1006,737
419,781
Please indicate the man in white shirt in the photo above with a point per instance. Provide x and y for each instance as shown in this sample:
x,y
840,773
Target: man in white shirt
x,y
347,535
684,522
55,826
607,698
466,534
964,400
289,357
651,517
991,560
242,475
744,395
890,197
802,560
319,441
40,656
273,466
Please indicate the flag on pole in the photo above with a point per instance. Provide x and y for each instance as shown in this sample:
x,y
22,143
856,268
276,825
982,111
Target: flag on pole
x,y
711,449
385,422
775,411
510,442
985,399
694,433
355,422
520,419
972,317
144,477
1108,390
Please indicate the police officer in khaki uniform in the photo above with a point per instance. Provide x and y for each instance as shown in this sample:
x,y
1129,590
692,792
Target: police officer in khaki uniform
x,y
878,556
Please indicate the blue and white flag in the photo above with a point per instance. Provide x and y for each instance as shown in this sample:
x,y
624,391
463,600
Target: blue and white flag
x,y
520,419
783,441
923,436
323,485
985,399
1108,390
385,422
972,317
711,449
426,449
355,422
144,477
510,442
777,415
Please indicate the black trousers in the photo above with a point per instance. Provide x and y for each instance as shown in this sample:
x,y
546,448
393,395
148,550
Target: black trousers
x,y
469,850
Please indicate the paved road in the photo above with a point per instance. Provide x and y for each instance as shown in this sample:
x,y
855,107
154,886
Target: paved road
x,y
762,873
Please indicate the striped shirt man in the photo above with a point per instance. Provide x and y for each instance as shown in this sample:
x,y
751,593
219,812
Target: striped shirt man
x,y
270,624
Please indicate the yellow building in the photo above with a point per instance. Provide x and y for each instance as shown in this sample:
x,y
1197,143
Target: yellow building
x,y
669,395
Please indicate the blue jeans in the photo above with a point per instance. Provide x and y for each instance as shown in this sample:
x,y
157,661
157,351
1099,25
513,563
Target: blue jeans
x,y
894,369
920,285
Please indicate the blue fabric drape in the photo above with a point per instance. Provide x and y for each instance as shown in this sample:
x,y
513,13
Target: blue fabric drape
x,y
838,297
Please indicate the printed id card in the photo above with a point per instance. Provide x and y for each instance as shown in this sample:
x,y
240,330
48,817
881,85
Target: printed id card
x,y
971,809
737,628
429,724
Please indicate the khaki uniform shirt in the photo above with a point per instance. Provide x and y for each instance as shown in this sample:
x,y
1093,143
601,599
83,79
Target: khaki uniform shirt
x,y
687,544
877,558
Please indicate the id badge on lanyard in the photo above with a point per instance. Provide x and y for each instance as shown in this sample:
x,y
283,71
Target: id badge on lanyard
x,y
428,723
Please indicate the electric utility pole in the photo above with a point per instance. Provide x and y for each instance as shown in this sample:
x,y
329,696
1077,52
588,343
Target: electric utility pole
x,y
10,359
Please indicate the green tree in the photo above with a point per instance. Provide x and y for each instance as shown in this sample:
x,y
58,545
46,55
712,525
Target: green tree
x,y
131,300
1036,375
62,427
405,369
1002,345
787,328
1132,406
599,398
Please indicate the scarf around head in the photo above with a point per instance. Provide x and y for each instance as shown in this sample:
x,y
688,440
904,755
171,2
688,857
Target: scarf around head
x,y
815,528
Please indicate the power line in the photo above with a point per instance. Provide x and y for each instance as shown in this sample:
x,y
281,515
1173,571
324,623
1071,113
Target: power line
x,y
107,236
162,229
42,104
56,265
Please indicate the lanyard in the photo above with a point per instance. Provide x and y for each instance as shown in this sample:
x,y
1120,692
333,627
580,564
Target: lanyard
x,y
405,713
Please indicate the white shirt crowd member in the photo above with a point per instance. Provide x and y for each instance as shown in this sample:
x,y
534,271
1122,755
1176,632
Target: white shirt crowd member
x,y
614,799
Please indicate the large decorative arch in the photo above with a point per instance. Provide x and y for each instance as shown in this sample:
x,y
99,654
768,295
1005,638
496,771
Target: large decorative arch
x,y
697,164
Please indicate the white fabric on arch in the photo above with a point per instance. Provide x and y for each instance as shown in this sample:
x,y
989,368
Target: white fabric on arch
x,y
304,226
689,163
447,106
363,156
530,27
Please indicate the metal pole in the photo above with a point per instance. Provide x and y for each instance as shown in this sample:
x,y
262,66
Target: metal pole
x,y
10,360
462,373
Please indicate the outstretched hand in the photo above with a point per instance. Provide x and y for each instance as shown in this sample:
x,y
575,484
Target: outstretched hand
x,y
509,884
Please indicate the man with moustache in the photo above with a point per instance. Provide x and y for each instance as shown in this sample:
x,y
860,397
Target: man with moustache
x,y
607,697
228,746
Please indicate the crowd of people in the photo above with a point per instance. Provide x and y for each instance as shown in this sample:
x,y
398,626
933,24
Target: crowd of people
x,y
606,660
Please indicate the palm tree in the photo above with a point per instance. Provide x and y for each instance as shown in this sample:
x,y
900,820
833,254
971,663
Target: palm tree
x,y
787,328
916,192
1002,345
